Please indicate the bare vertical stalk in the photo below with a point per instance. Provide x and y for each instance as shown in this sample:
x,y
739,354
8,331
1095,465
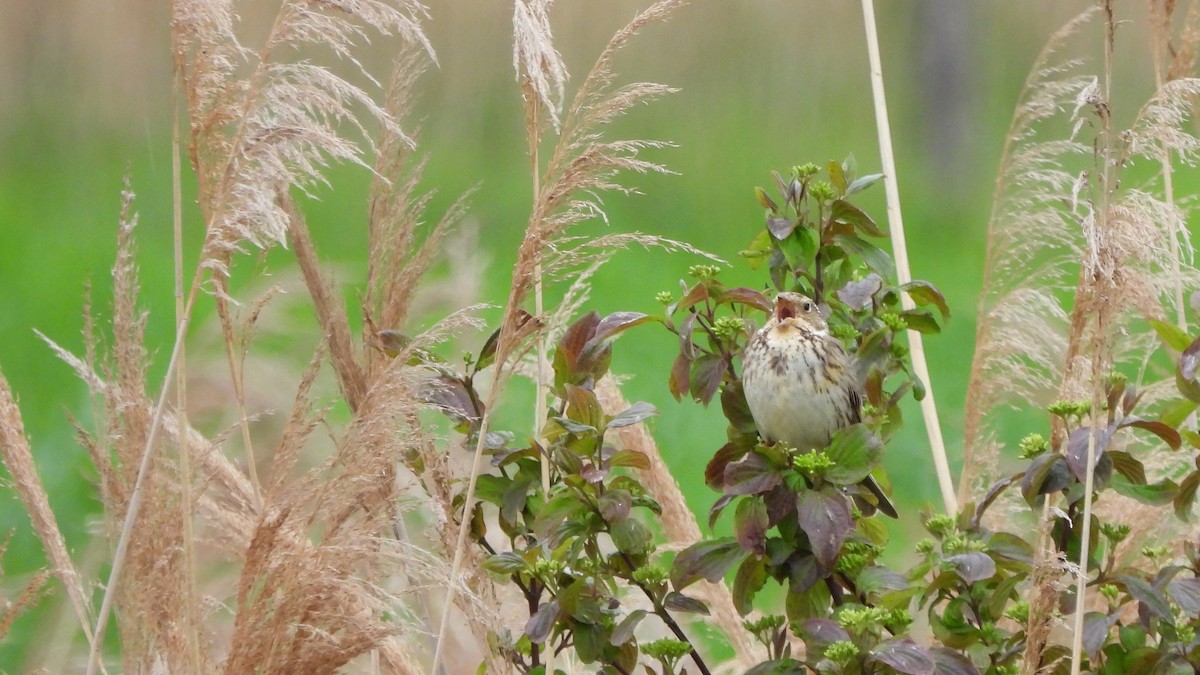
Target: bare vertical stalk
x,y
1102,226
900,250
185,466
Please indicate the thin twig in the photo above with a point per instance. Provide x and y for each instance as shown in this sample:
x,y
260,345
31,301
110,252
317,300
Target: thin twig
x,y
900,249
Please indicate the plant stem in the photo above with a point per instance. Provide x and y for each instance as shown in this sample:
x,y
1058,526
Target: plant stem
x,y
899,247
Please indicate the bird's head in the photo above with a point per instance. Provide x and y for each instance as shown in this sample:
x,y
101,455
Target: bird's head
x,y
798,312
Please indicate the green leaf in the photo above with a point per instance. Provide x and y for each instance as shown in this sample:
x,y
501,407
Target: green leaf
x,y
583,407
633,414
837,177
624,630
709,560
630,458
825,516
1186,497
1154,494
1171,335
1176,412
737,410
855,452
843,211
875,258
1048,473
487,355
590,640
681,603
507,562
614,505
924,293
631,537
749,580
764,199
800,247
750,525
920,321
811,603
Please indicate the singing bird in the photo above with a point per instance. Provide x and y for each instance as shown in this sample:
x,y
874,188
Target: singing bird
x,y
800,383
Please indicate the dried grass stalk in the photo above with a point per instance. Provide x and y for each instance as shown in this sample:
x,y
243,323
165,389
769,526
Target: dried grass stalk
x,y
18,459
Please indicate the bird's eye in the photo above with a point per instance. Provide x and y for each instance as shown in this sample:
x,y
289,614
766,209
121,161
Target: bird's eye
x,y
807,306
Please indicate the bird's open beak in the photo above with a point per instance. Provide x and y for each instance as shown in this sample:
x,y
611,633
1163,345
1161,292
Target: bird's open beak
x,y
784,309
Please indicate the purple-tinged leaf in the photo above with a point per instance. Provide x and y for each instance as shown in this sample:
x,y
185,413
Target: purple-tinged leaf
x,y
1147,595
949,662
1185,373
542,622
858,295
706,375
860,184
633,414
972,567
680,376
571,344
843,211
781,228
750,476
750,525
905,656
820,633
825,516
747,296
1186,593
1077,449
709,560
714,472
1095,631
1167,434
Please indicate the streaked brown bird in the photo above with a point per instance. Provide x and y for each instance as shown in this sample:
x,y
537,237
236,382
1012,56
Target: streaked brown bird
x,y
800,383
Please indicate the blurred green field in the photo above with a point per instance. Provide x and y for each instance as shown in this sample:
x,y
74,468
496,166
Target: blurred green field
x,y
763,86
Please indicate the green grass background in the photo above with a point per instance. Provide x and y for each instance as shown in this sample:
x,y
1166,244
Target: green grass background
x,y
763,85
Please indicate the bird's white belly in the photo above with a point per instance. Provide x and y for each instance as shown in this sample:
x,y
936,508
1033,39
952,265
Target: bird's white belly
x,y
788,407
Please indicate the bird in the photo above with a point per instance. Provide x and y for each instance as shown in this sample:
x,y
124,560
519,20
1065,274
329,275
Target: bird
x,y
800,384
